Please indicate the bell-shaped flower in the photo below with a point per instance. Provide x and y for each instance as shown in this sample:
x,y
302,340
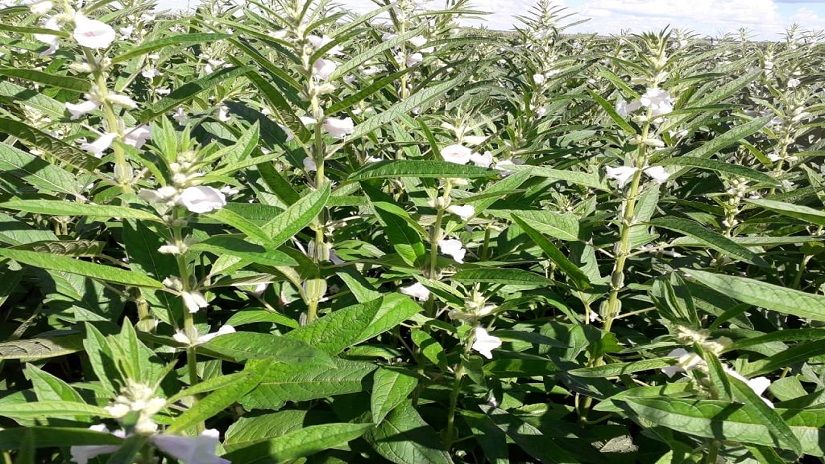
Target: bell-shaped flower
x,y
201,199
658,101
322,69
79,109
49,39
181,337
621,174
658,174
121,100
84,453
757,384
309,164
418,41
339,128
417,291
538,79
180,116
191,450
458,154
474,140
453,248
793,83
464,212
41,8
100,145
413,59
223,114
161,195
686,362
92,33
484,343
137,136
193,300
318,41
483,160
624,108
307,120
126,32
150,73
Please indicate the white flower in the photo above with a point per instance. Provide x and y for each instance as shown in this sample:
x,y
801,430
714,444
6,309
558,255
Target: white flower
x,y
309,164
193,300
624,108
793,83
259,289
658,101
229,191
79,109
418,41
505,166
40,8
464,212
118,410
169,249
417,291
686,362
474,140
322,69
339,128
121,100
373,159
538,79
160,195
100,145
773,156
126,32
485,343
92,33
320,41
202,199
181,337
622,174
757,384
453,248
191,450
137,136
180,116
413,59
150,73
458,154
223,114
163,91
483,160
307,120
49,39
82,454
658,174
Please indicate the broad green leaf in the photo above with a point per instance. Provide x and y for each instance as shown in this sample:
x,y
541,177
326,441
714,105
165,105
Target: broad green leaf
x,y
350,326
420,169
190,90
253,316
33,349
235,246
814,216
299,443
766,415
403,237
240,346
287,224
50,388
762,294
405,438
67,208
563,226
623,368
303,382
585,179
84,268
249,430
502,276
709,238
721,167
54,146
787,358
50,409
572,271
52,437
390,388
53,80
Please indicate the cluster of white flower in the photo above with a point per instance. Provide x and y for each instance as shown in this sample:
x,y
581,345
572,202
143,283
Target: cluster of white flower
x,y
192,299
459,154
136,405
623,174
656,100
181,337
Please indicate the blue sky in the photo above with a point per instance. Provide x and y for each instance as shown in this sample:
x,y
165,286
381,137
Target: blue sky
x,y
766,19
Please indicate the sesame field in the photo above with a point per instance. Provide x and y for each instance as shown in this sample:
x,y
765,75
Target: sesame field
x,y
277,231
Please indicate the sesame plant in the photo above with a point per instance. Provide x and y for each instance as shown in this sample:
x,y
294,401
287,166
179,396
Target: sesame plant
x,y
279,231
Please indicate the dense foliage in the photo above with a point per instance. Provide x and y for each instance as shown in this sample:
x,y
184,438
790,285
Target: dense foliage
x,y
277,231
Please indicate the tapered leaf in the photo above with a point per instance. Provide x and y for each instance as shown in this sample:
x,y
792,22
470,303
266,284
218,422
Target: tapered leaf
x,y
709,238
390,388
420,169
299,443
66,208
167,43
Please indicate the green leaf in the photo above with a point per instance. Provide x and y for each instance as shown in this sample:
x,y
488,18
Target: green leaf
x,y
766,415
253,316
719,142
220,399
350,326
54,437
405,438
67,208
765,295
33,349
50,388
722,167
54,146
299,443
563,226
572,271
356,60
709,238
287,224
611,111
235,246
502,276
804,213
84,268
420,169
303,382
37,172
786,358
249,430
586,179
167,43
190,90
390,388
622,368
240,346
404,238
53,80
50,409
403,107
